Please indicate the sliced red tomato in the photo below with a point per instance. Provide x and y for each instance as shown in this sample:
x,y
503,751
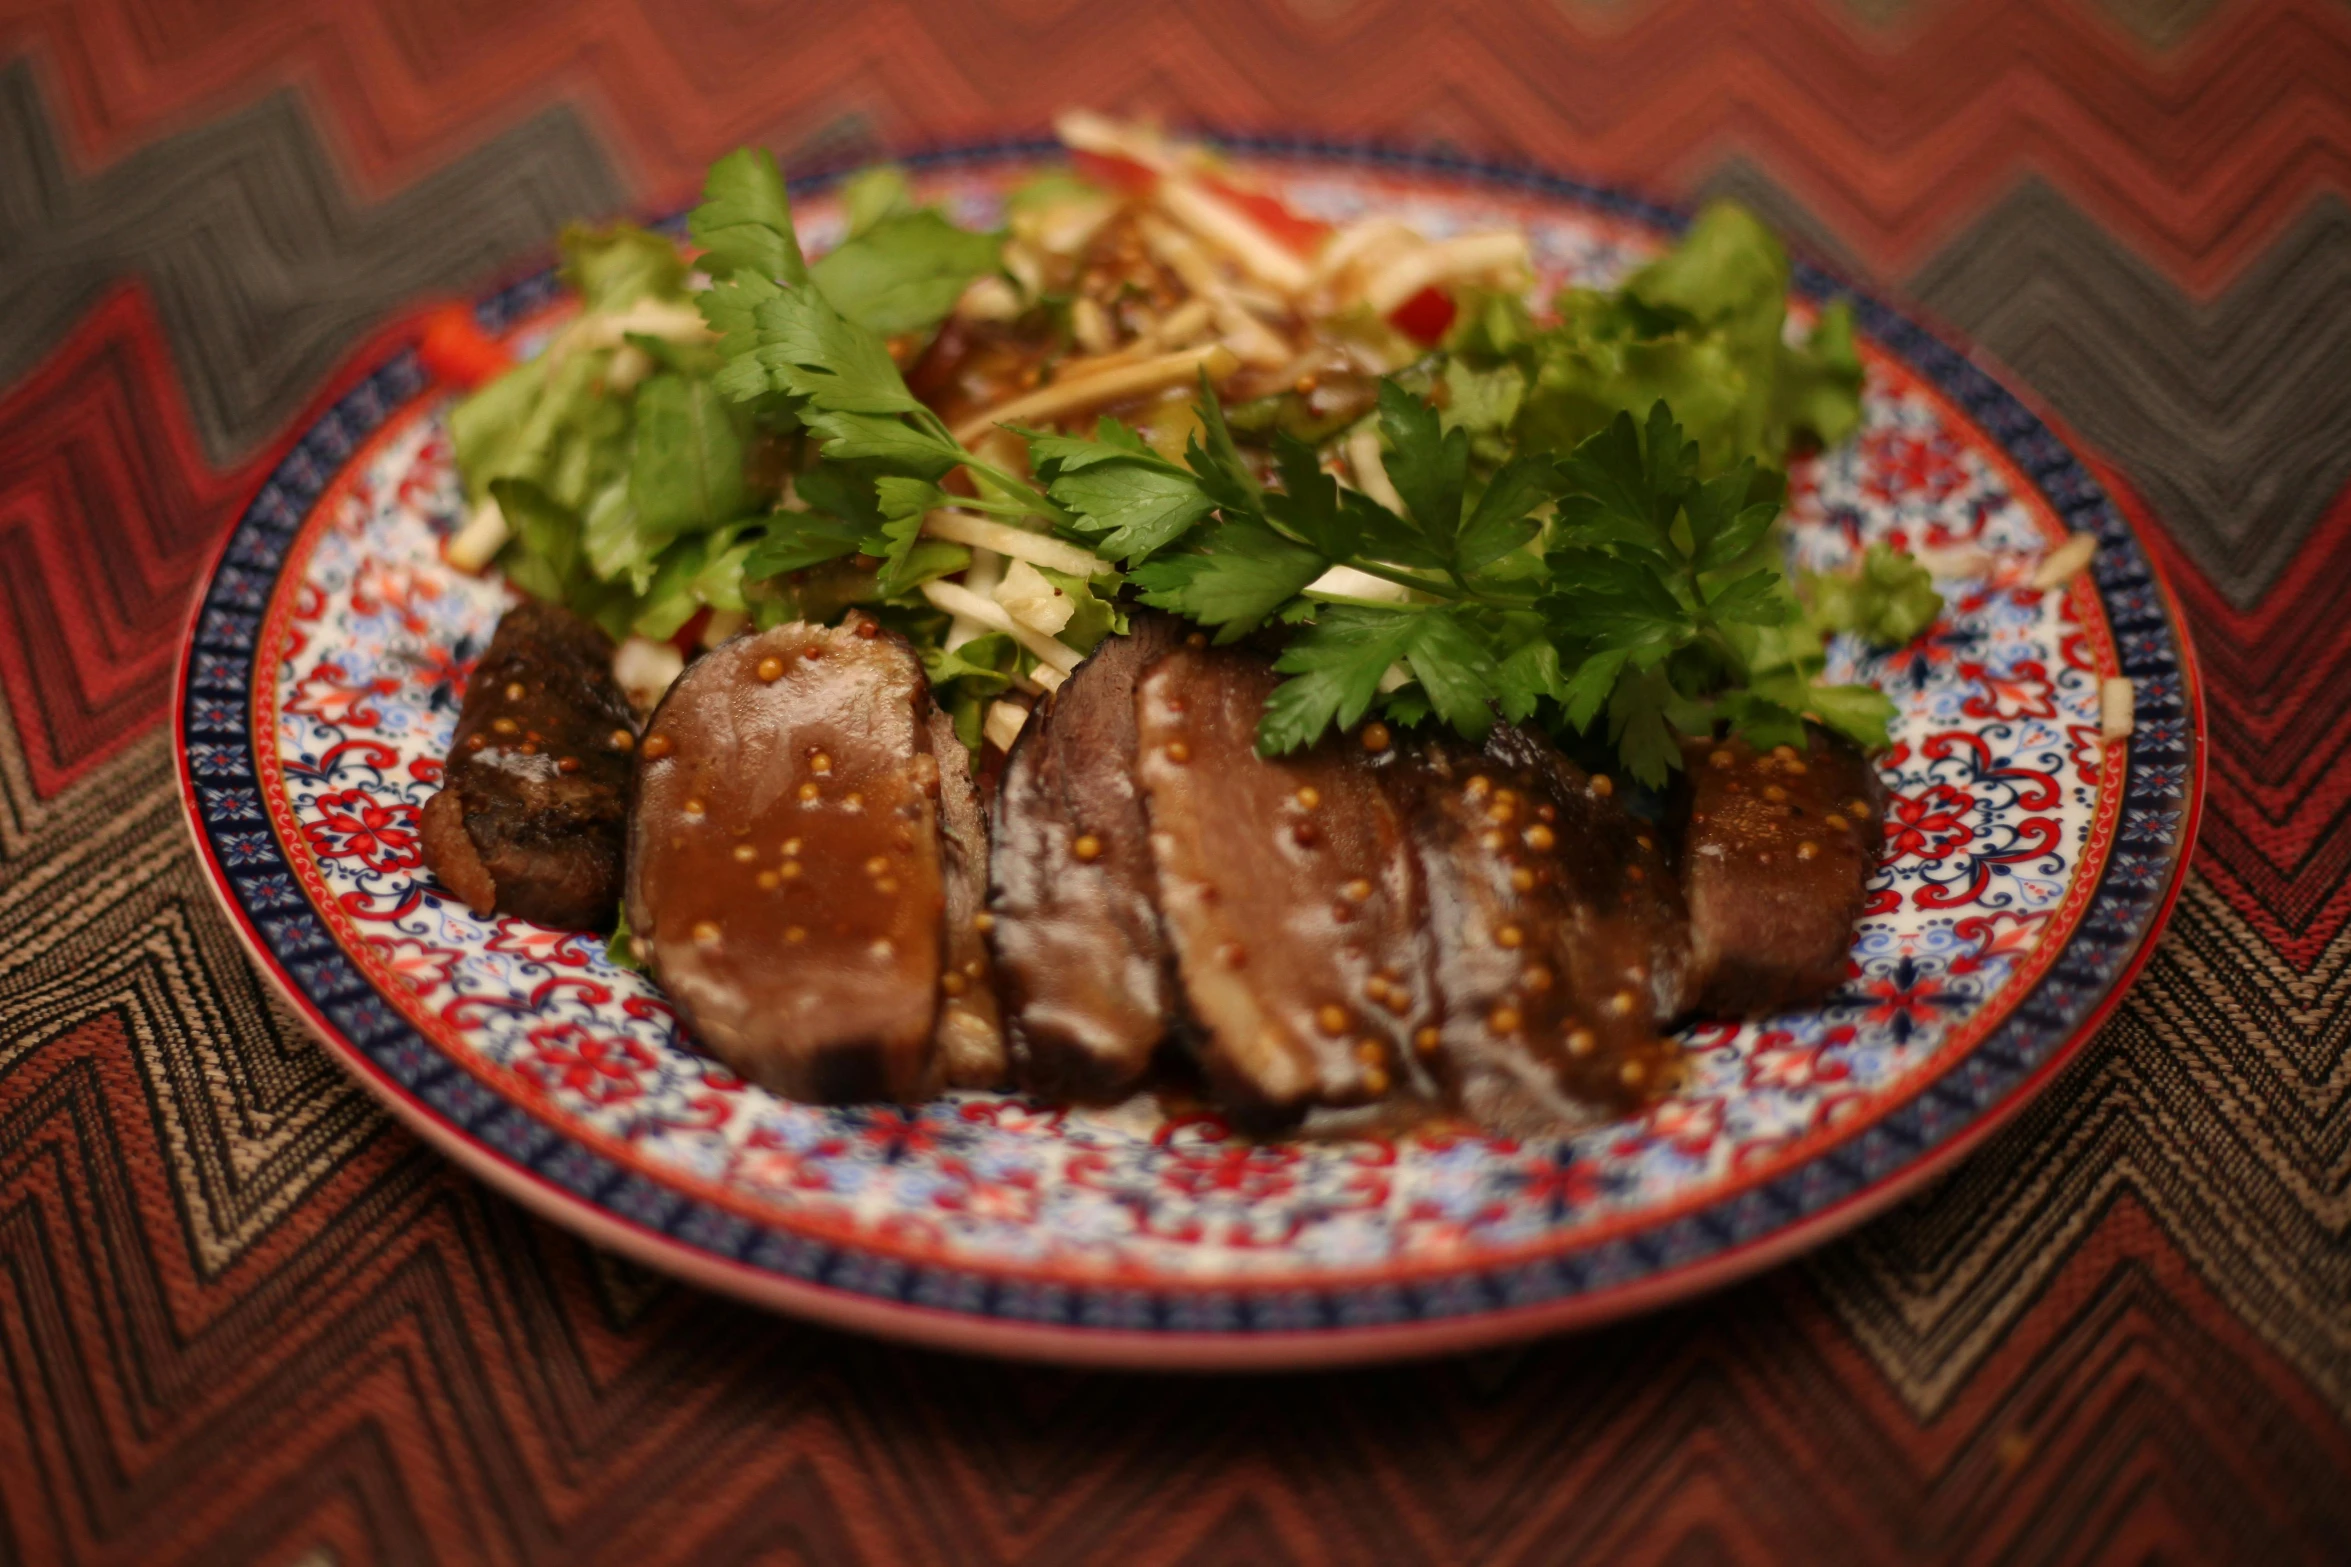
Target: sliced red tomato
x,y
1287,228
455,349
1425,316
1112,172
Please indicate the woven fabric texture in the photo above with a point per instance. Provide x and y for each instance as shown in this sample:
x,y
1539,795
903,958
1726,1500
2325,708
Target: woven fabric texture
x,y
244,1318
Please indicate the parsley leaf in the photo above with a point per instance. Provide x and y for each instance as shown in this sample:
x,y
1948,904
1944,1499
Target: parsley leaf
x,y
1428,465
687,471
1133,507
796,540
1307,507
905,271
1239,572
616,266
1336,666
744,224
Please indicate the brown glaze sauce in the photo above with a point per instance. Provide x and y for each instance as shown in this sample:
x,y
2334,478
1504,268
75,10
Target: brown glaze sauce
x,y
1289,894
786,869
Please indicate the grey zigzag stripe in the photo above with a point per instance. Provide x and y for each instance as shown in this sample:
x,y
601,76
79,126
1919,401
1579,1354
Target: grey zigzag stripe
x,y
2216,1097
2232,416
263,270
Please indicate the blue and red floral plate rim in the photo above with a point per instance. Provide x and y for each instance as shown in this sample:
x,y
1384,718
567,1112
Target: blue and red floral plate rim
x,y
1174,1324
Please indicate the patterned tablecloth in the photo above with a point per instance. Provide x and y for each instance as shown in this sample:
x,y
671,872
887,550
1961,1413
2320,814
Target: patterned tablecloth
x,y
244,1318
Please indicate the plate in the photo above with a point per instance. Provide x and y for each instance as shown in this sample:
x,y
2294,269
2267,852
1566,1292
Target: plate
x,y
2029,865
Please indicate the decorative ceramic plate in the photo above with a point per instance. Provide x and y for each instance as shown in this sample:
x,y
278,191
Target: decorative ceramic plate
x,y
2028,866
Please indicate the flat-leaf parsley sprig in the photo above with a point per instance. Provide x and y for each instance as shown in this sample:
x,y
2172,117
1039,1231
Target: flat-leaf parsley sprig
x,y
1608,584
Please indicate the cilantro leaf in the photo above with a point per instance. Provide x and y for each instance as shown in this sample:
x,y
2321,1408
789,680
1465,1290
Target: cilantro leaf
x,y
744,223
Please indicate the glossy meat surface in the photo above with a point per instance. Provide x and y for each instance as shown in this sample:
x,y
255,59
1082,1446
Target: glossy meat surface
x,y
1557,928
786,870
1289,894
1083,967
534,796
1777,851
971,1032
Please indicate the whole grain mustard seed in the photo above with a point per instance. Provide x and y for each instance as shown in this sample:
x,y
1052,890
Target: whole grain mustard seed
x,y
1426,1039
706,932
1087,848
770,669
1331,1018
515,691
622,740
657,747
1376,737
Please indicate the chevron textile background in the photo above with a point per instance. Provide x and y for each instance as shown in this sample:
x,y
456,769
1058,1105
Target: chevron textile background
x,y
243,1318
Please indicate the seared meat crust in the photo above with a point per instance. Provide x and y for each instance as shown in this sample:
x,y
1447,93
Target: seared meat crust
x,y
534,795
1557,927
1082,965
1776,854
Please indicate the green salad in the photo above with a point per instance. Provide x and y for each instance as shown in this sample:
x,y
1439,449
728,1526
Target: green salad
x,y
1436,496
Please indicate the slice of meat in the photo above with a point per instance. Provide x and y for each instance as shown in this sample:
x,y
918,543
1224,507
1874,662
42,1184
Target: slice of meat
x,y
1776,855
1558,934
534,796
1083,968
971,1034
785,867
1289,894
